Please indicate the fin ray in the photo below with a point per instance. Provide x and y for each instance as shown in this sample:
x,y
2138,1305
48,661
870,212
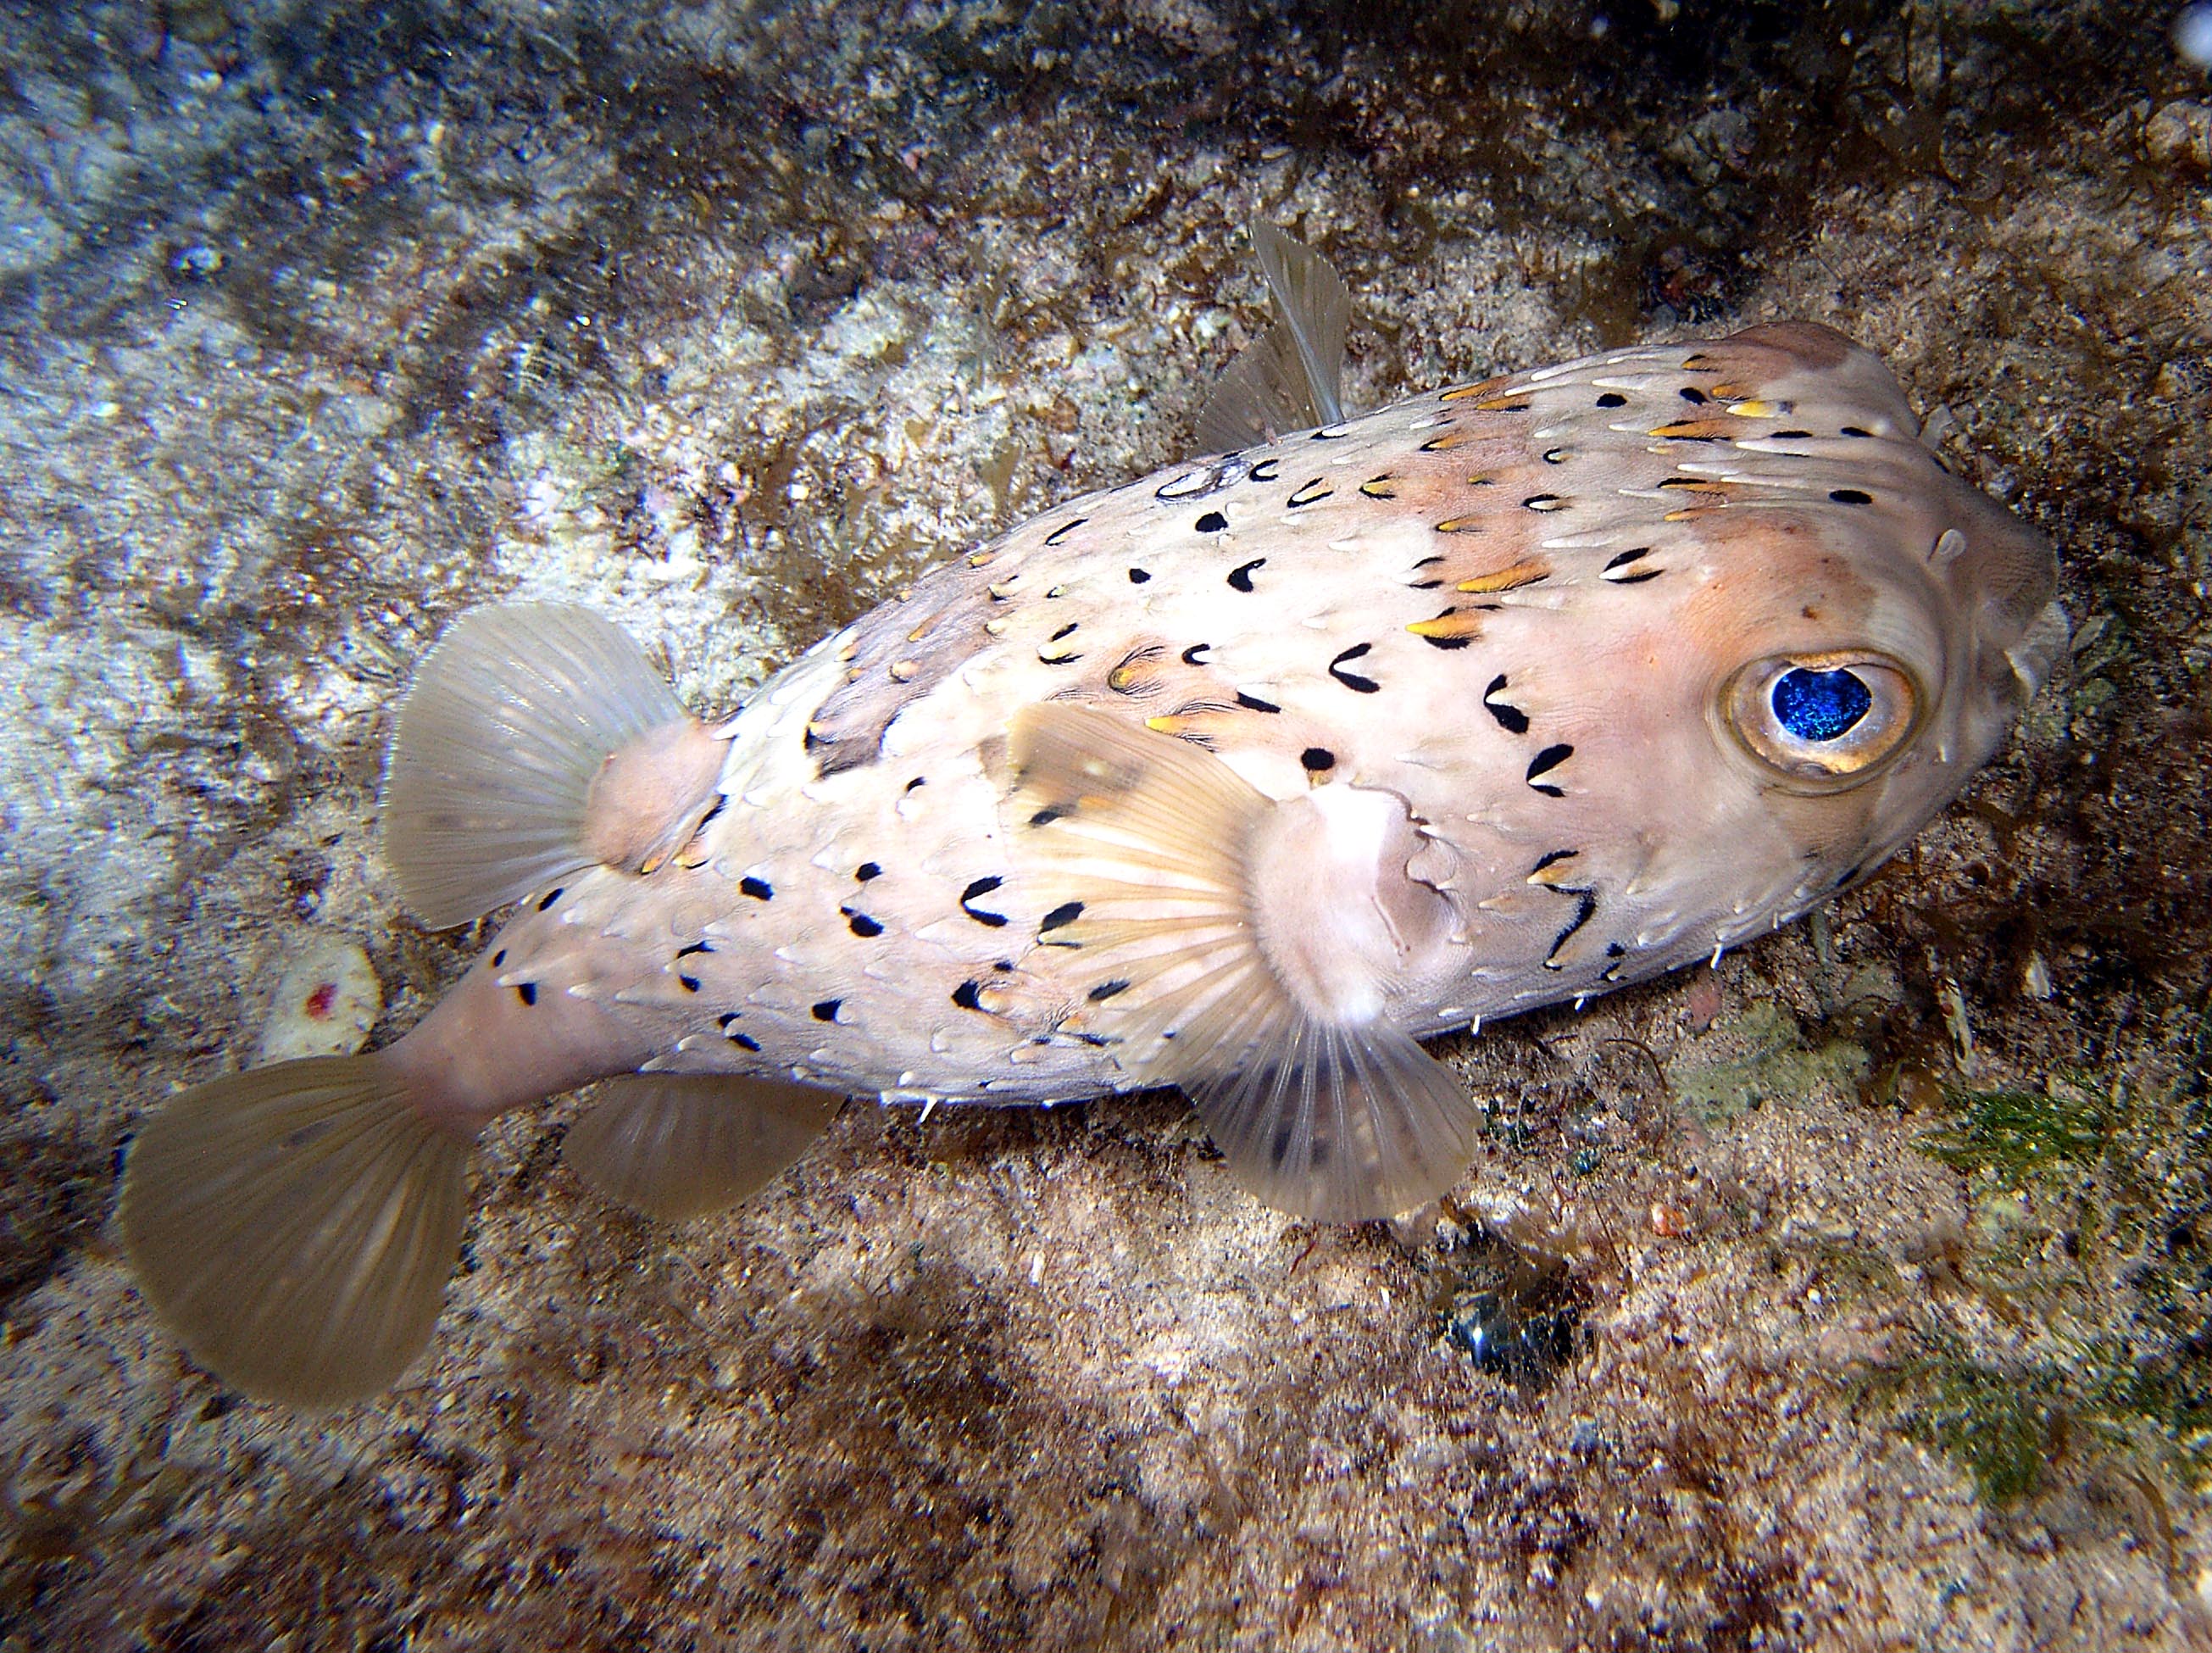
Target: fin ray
x,y
682,1146
1291,377
509,720
295,1226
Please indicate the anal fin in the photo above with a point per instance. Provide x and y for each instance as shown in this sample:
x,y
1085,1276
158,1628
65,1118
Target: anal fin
x,y
536,740
1242,950
683,1145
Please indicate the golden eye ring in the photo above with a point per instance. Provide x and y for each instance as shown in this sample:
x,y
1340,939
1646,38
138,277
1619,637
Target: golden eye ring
x,y
1822,722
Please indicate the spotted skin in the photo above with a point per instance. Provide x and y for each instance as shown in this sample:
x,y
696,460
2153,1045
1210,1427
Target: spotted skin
x,y
1509,605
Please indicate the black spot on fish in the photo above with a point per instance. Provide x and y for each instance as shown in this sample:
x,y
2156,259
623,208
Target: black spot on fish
x,y
1792,435
499,959
1137,576
860,924
736,1038
1264,471
825,1010
919,781
1514,720
1212,523
1615,949
867,870
1543,502
1253,703
1240,577
1326,435
1190,655
758,888
1064,529
1352,680
1621,570
1850,496
1317,758
695,948
1063,631
1105,990
1585,905
1854,430
1060,916
1692,394
982,887
964,995
716,810
1046,816
1613,400
1544,763
551,896
1553,857
691,983
1555,456
527,992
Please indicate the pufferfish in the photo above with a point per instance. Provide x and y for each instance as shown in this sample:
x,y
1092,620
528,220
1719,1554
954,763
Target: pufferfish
x,y
1243,778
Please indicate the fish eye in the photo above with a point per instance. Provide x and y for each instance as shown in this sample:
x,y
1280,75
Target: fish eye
x,y
1822,718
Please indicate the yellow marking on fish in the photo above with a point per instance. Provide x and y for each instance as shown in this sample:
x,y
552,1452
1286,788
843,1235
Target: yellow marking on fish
x,y
1487,387
1526,572
1379,487
1453,623
1757,408
905,671
982,559
1693,429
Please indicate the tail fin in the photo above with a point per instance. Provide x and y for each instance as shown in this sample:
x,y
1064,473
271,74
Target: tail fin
x,y
536,740
295,1226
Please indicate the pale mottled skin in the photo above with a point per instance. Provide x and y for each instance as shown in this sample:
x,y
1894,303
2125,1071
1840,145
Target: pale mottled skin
x,y
1260,604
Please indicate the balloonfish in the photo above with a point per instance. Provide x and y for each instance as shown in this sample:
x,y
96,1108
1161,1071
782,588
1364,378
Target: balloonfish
x,y
1243,778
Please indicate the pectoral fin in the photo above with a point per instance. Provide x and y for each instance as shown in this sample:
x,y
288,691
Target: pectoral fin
x,y
683,1145
536,741
1242,949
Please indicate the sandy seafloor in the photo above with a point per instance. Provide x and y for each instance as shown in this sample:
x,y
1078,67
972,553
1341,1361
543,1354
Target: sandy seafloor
x,y
1851,1297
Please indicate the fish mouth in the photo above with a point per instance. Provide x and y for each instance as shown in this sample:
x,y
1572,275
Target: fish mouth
x,y
2038,650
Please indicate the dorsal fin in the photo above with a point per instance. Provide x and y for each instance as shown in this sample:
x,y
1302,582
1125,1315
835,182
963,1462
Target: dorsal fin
x,y
1290,378
1242,949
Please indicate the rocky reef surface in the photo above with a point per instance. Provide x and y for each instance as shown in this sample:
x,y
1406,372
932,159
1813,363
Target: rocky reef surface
x,y
1851,1294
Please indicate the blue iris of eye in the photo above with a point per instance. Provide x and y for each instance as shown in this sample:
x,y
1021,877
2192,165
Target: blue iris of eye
x,y
1819,705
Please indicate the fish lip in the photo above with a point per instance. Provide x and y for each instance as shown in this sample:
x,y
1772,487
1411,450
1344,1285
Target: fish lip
x,y
2039,649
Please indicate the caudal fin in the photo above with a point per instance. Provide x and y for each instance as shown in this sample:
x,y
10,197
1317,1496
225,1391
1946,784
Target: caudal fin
x,y
295,1225
536,740
1230,956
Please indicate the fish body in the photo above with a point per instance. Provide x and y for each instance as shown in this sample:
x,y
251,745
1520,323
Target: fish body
x,y
1242,777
